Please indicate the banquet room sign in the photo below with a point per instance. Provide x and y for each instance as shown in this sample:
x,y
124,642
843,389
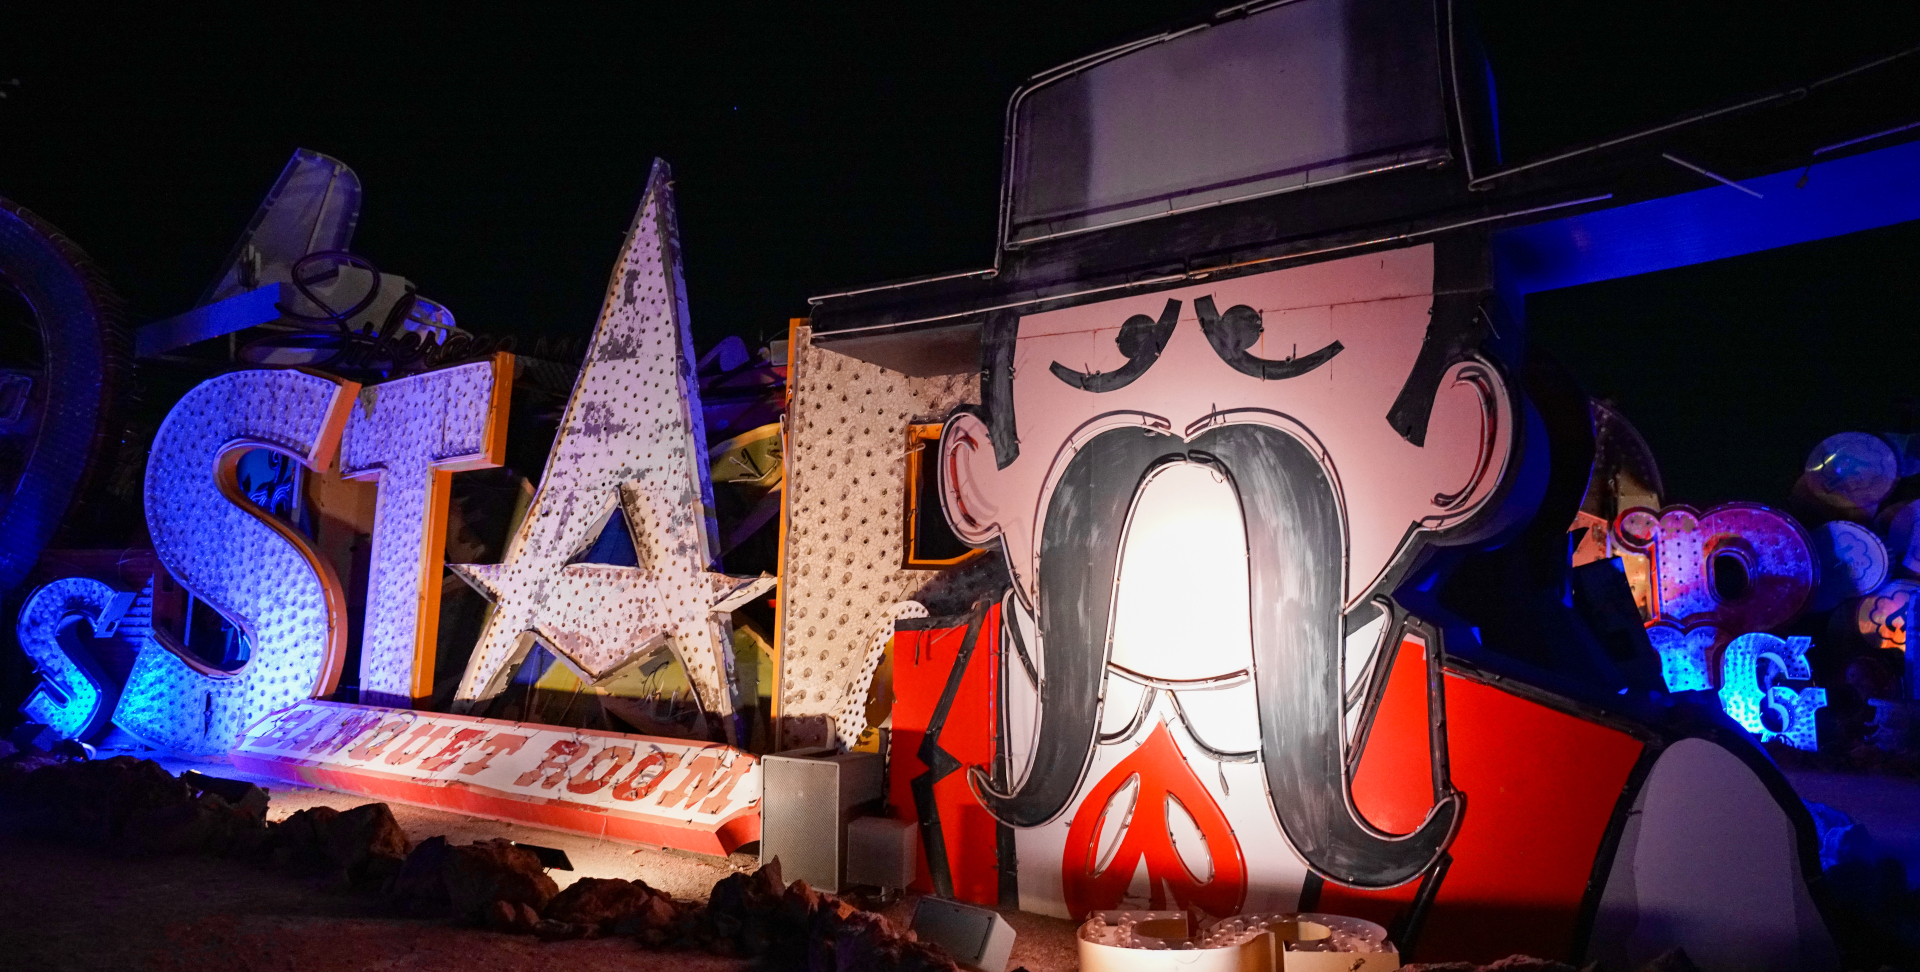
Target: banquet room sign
x,y
694,796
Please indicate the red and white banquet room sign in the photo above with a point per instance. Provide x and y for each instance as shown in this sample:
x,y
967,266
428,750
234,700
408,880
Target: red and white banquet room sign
x,y
701,797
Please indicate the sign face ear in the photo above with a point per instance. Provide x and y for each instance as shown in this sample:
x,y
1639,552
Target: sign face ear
x,y
967,463
254,569
410,436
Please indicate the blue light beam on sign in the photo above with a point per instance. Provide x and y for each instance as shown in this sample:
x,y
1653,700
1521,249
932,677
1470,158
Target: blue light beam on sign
x,y
1683,655
253,568
1752,690
74,696
1845,195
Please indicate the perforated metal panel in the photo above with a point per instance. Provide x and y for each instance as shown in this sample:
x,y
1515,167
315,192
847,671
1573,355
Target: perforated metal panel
x,y
807,798
976,937
846,468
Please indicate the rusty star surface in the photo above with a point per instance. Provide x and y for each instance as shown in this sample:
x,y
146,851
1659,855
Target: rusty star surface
x,y
632,440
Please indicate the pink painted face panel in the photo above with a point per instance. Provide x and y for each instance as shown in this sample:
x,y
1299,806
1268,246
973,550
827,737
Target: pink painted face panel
x,y
1290,404
1369,313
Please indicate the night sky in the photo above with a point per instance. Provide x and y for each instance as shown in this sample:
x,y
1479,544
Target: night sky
x,y
830,144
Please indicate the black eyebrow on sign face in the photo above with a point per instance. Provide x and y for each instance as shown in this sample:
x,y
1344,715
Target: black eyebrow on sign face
x,y
1141,339
1233,332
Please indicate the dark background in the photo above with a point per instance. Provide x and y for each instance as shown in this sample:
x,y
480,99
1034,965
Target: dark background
x,y
821,145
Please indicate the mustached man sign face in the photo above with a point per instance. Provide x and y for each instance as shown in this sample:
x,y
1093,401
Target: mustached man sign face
x,y
1205,500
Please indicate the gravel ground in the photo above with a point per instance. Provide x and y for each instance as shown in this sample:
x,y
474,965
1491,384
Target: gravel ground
x,y
75,908
70,908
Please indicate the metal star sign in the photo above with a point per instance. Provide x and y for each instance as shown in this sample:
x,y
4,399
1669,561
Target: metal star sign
x,y
632,439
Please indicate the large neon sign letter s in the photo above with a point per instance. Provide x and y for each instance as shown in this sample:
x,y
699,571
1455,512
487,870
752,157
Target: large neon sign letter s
x,y
254,569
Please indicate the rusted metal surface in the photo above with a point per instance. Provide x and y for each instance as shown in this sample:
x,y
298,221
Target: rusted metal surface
x,y
410,435
631,440
846,486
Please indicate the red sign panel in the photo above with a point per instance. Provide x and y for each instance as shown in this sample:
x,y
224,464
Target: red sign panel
x,y
701,797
